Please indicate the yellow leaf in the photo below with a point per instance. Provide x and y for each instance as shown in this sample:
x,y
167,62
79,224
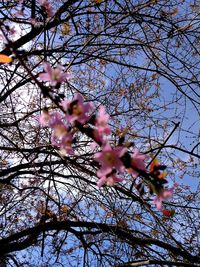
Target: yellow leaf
x,y
5,59
154,76
65,209
65,29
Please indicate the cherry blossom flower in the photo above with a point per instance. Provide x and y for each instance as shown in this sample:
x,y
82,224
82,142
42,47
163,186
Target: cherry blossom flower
x,y
66,143
163,195
54,75
109,181
61,137
55,119
102,128
63,141
48,8
51,119
137,163
102,121
60,130
44,118
76,109
98,138
109,158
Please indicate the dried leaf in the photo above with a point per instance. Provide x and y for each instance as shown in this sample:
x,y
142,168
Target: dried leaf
x,y
5,59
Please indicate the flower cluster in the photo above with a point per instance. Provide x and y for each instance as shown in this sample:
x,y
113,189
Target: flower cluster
x,y
113,161
110,162
116,161
62,136
54,75
76,109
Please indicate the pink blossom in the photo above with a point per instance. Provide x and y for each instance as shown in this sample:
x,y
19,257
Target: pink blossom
x,y
51,119
63,141
109,158
76,109
55,119
109,181
98,138
137,163
61,136
48,8
102,122
60,130
66,143
102,127
44,118
54,75
163,195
